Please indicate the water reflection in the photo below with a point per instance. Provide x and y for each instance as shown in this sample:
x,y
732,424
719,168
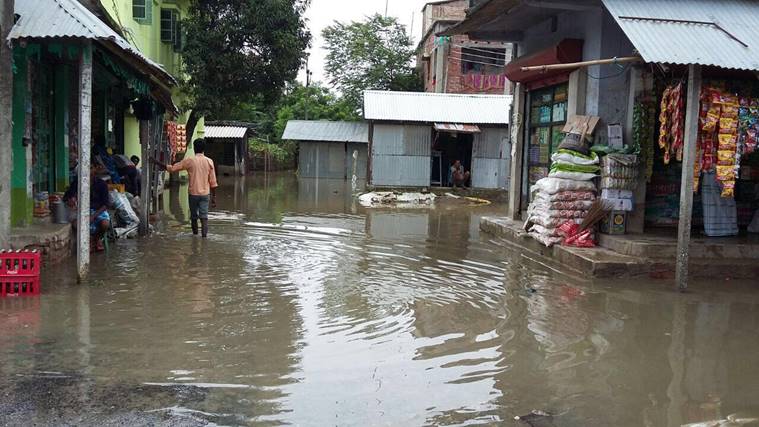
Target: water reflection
x,y
304,308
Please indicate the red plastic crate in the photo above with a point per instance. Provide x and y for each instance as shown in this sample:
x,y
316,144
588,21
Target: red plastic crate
x,y
19,273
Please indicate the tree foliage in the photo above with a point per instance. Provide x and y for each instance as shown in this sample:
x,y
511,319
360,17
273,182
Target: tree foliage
x,y
374,54
241,49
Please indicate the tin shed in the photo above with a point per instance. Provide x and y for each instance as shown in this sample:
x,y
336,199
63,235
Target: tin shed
x,y
330,149
416,137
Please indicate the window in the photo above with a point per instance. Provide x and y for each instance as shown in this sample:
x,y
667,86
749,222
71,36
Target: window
x,y
482,60
548,115
142,11
168,25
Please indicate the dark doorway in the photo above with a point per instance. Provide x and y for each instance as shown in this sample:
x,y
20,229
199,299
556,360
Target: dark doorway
x,y
446,149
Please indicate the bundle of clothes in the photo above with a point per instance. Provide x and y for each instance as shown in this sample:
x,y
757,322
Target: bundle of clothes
x,y
565,196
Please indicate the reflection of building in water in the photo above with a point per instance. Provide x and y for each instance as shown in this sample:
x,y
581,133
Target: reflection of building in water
x,y
397,224
326,195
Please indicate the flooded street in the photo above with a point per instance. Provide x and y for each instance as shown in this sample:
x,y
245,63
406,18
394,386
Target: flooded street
x,y
303,308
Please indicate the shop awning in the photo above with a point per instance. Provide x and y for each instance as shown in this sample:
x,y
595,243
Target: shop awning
x,y
567,51
456,128
69,19
719,33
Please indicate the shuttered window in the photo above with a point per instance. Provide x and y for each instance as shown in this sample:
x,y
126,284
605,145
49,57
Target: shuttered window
x,y
168,29
142,11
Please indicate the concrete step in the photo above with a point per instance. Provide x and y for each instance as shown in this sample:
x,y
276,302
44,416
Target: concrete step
x,y
656,247
654,259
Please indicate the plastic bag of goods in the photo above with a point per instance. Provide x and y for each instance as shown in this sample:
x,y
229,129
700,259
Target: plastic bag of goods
x,y
553,185
575,158
124,213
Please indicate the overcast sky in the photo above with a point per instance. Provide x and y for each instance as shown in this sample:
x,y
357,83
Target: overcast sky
x,y
323,13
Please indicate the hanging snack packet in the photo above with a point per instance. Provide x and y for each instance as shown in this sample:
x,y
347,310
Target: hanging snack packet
x,y
725,173
727,142
728,190
725,158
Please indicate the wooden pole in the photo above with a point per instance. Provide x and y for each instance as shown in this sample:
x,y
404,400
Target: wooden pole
x,y
146,182
6,124
572,65
83,182
686,189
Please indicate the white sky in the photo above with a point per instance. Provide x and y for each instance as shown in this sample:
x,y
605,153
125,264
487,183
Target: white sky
x,y
323,13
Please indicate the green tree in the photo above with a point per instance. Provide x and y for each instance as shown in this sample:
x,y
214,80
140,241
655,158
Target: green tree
x,y
237,50
373,54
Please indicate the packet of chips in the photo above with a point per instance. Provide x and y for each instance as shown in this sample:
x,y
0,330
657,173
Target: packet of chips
x,y
728,190
725,158
728,125
725,173
727,142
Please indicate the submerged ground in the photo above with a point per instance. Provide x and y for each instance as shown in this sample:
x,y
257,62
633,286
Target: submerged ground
x,y
304,308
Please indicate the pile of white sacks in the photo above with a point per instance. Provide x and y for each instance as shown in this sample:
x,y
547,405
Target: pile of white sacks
x,y
567,194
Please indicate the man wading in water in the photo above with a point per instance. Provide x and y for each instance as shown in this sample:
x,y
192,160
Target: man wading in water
x,y
202,184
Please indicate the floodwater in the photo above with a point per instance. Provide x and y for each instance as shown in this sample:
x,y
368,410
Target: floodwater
x,y
303,308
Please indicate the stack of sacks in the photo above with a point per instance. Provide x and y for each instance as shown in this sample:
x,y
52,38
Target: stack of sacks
x,y
566,195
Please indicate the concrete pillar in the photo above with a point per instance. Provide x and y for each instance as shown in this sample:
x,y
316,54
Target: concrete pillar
x,y
576,92
83,183
686,189
6,122
636,221
516,171
145,195
440,61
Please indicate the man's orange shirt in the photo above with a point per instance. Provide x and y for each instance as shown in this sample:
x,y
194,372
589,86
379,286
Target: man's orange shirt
x,y
202,174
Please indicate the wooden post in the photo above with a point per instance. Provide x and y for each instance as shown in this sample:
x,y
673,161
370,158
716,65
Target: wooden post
x,y
517,154
146,183
686,189
6,123
83,183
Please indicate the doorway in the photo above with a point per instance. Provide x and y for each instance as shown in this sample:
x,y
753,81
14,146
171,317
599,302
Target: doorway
x,y
447,147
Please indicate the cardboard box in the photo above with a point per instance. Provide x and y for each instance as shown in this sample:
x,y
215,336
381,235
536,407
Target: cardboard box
x,y
616,137
625,205
616,194
614,223
581,125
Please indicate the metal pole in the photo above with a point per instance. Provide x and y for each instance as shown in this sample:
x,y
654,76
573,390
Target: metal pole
x,y
83,183
146,183
6,124
686,189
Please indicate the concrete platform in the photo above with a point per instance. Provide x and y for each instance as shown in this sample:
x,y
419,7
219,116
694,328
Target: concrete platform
x,y
649,256
54,240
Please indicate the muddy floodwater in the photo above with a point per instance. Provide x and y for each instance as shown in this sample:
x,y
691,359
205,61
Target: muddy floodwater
x,y
303,308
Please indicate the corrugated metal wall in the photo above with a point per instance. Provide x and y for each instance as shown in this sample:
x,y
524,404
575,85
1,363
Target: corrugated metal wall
x,y
401,155
491,152
322,160
362,160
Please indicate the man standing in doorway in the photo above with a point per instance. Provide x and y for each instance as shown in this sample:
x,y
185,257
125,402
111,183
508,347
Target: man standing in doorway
x,y
202,184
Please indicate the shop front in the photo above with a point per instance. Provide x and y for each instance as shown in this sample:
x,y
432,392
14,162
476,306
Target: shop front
x,y
74,81
674,91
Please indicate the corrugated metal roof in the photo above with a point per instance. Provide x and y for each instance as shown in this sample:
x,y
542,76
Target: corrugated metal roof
x,y
436,107
225,132
69,18
726,25
321,130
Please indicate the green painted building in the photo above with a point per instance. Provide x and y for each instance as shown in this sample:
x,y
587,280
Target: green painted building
x,y
51,40
155,28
